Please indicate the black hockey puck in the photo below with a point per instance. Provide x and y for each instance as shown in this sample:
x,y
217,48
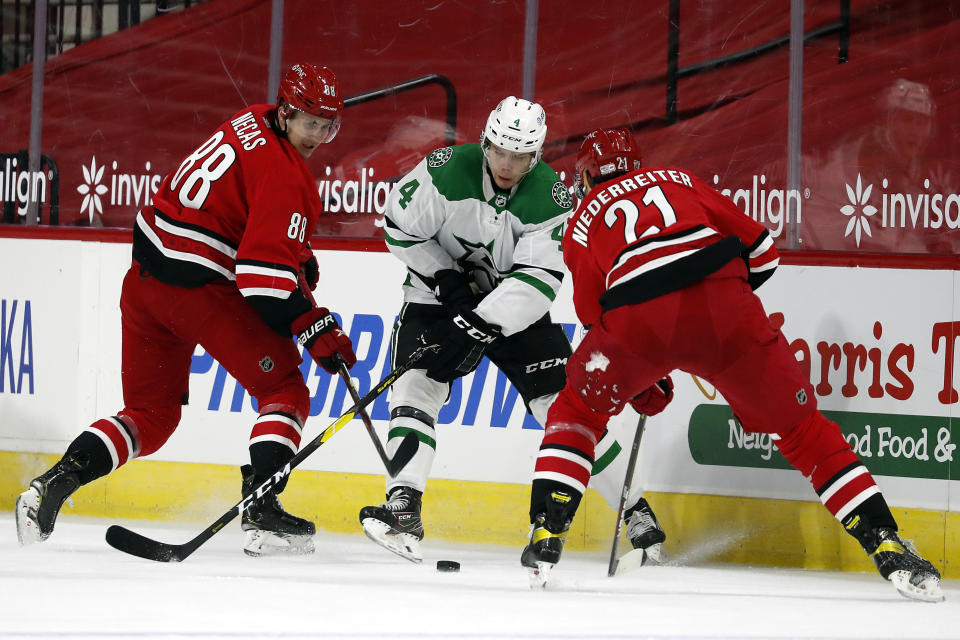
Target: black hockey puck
x,y
448,565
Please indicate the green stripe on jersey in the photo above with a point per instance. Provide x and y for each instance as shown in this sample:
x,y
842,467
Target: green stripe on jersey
x,y
537,284
400,432
400,243
606,458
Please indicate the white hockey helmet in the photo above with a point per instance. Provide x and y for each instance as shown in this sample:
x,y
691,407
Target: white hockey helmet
x,y
516,125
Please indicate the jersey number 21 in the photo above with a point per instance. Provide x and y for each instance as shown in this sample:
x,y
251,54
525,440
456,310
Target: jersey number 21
x,y
631,214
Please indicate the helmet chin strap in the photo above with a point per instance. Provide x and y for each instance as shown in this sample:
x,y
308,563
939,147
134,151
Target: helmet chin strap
x,y
280,127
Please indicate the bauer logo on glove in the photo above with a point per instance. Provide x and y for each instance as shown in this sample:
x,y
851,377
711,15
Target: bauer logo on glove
x,y
326,323
318,331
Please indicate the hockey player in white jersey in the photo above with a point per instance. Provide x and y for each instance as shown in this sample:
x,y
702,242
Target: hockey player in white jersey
x,y
479,228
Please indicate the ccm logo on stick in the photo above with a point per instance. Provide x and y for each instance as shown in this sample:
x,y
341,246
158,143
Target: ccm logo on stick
x,y
274,480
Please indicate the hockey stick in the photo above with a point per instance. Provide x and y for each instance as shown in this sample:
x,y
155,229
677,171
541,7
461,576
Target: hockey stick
x,y
627,481
408,446
135,544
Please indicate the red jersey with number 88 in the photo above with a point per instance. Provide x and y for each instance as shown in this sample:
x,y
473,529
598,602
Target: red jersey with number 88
x,y
653,231
241,206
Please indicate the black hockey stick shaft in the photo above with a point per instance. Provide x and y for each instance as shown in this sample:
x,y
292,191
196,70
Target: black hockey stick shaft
x,y
128,541
408,446
627,482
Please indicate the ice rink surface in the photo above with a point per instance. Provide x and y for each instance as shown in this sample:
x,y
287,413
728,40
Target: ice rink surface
x,y
75,586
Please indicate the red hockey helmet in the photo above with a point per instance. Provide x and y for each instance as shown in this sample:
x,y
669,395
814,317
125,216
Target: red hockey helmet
x,y
313,90
606,154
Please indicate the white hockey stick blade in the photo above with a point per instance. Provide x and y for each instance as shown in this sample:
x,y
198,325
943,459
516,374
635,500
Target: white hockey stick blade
x,y
630,561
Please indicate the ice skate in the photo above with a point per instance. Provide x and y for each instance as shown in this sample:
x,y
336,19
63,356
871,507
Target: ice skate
x,y
547,535
645,533
395,524
38,506
268,529
899,562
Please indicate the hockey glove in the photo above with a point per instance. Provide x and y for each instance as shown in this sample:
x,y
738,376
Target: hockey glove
x,y
318,331
453,290
654,398
309,267
462,340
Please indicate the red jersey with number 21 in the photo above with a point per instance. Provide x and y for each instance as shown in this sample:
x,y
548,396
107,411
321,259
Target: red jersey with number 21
x,y
653,231
241,207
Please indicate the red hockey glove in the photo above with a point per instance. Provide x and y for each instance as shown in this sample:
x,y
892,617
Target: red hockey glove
x,y
318,331
654,398
453,290
309,267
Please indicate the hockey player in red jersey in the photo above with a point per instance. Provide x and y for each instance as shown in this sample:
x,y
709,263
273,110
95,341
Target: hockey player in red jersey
x,y
663,270
216,262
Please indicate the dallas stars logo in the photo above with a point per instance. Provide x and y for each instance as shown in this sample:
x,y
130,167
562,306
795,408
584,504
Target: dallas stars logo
x,y
477,260
439,157
561,196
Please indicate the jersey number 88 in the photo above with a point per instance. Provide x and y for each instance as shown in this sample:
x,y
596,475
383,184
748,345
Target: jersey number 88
x,y
216,161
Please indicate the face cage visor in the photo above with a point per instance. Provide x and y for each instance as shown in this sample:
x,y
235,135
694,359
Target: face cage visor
x,y
485,143
287,110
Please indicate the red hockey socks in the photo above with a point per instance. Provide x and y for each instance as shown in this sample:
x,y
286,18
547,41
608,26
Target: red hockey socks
x,y
563,464
817,448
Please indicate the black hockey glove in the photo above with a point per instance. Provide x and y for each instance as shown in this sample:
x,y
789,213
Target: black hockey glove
x,y
462,340
453,290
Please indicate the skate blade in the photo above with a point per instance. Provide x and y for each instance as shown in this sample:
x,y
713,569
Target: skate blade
x,y
539,575
28,529
927,591
655,554
259,543
403,544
